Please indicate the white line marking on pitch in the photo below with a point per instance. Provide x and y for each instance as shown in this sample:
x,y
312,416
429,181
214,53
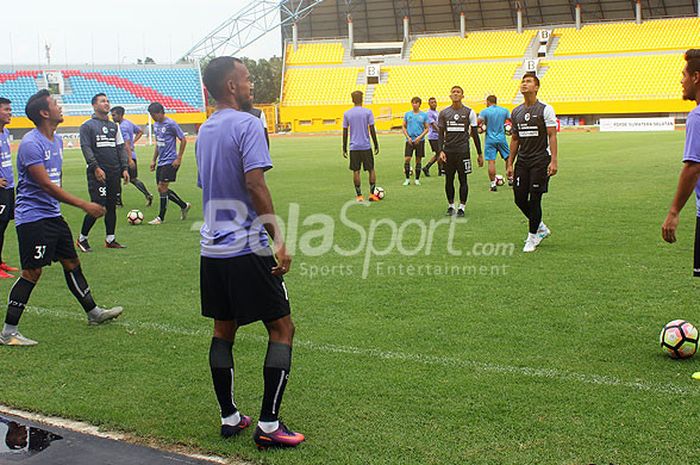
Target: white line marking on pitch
x,y
453,362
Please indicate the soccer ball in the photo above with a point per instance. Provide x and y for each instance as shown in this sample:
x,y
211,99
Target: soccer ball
x,y
499,180
508,128
679,339
134,217
379,192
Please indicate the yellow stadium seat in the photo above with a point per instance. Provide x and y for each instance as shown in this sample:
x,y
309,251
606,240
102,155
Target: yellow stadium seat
x,y
320,86
316,53
489,44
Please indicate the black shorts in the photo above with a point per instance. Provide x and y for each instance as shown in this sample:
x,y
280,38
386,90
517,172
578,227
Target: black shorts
x,y
696,261
44,241
419,148
134,172
7,204
166,173
434,146
459,163
531,175
107,192
361,157
242,289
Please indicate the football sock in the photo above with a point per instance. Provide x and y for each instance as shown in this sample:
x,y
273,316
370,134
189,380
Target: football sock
x,y
269,426
88,223
535,217
3,227
111,219
493,183
463,187
452,205
450,186
418,168
461,206
278,362
163,205
176,199
407,169
82,237
19,296
522,202
231,420
429,164
372,188
79,287
221,364
358,189
140,186
110,238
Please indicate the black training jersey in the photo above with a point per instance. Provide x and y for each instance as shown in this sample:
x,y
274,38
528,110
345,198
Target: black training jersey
x,y
530,125
102,143
456,124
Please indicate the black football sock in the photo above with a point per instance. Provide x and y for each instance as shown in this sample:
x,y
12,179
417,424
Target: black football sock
x,y
19,296
535,217
163,205
110,219
141,187
221,364
407,169
418,168
372,188
358,189
521,200
176,198
450,186
79,287
278,362
429,164
88,223
463,188
3,227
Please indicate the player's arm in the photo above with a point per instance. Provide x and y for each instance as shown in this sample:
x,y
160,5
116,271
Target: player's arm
x,y
86,137
138,133
554,149
426,128
687,181
124,154
183,143
404,129
441,139
262,202
373,133
39,174
345,142
514,145
155,156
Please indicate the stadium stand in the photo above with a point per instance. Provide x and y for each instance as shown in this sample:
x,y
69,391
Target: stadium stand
x,y
18,86
653,35
476,45
316,53
320,86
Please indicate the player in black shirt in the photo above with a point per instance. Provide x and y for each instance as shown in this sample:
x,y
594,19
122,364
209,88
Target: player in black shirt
x,y
534,144
455,123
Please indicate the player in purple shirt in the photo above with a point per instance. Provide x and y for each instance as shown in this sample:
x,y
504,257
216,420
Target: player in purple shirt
x,y
433,138
689,179
131,133
167,132
7,182
240,280
358,121
42,233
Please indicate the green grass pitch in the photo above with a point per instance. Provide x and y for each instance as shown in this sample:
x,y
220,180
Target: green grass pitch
x,y
545,358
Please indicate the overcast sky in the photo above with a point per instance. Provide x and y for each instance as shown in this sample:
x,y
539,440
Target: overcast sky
x,y
104,32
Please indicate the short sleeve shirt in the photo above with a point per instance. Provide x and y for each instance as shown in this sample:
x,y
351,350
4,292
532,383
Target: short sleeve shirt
x,y
457,125
692,147
530,126
33,203
358,120
415,123
167,133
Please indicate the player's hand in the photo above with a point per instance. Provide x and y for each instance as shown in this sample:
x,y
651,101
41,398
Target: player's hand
x,y
176,163
443,157
284,262
480,160
376,151
509,171
668,229
100,175
132,163
345,154
94,209
153,165
552,168
3,183
126,177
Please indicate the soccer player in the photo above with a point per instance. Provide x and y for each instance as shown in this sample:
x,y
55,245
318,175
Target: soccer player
x,y
7,182
131,134
102,145
689,178
433,137
415,127
167,132
42,233
240,280
495,117
357,121
534,144
455,123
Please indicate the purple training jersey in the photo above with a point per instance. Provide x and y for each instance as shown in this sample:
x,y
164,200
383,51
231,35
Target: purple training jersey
x,y
692,146
167,134
129,131
33,203
6,159
358,119
433,122
230,144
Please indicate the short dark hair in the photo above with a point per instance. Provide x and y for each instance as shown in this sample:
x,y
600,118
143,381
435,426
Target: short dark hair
x,y
416,100
156,107
357,96
118,110
432,98
533,76
492,99
215,73
96,96
692,57
456,87
35,105
5,101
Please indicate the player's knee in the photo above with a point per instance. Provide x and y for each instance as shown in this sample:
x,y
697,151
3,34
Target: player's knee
x,y
32,275
69,264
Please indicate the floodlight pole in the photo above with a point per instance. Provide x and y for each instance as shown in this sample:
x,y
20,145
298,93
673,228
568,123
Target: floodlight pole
x,y
638,11
578,16
520,20
295,36
406,28
351,32
462,25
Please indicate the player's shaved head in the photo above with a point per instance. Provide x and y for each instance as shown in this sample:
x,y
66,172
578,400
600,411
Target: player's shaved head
x,y
218,73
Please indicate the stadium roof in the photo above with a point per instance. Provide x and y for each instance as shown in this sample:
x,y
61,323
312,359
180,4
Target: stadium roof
x,y
382,20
